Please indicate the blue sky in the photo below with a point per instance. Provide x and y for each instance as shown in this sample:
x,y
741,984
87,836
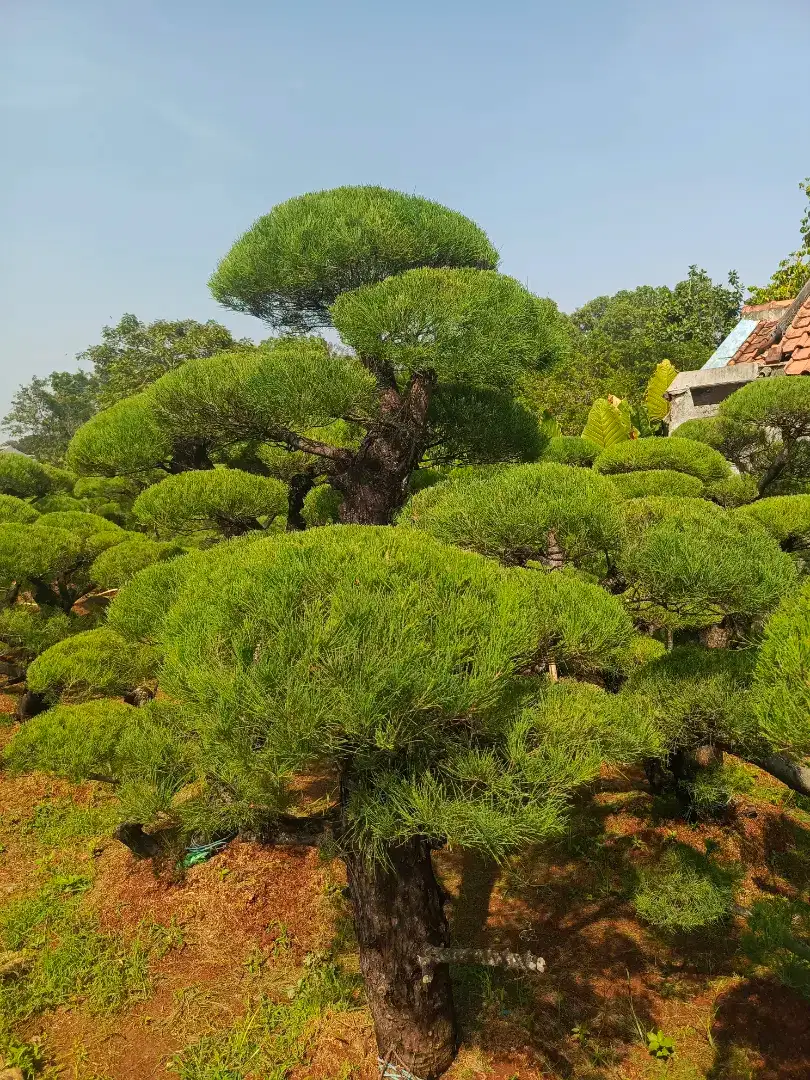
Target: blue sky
x,y
602,144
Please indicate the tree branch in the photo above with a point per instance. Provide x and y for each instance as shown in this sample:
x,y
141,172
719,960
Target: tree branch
x,y
793,775
293,441
433,955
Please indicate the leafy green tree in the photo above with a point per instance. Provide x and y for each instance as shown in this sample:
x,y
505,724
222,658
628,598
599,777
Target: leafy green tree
x,y
794,271
115,566
132,354
410,675
618,341
46,412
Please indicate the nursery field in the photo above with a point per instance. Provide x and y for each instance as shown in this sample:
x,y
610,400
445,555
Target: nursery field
x,y
244,967
363,716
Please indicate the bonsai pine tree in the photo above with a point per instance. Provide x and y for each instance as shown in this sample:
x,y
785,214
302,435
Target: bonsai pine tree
x,y
762,428
410,673
23,477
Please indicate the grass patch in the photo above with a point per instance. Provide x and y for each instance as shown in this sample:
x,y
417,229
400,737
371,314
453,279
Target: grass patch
x,y
272,1038
71,959
684,891
778,938
61,821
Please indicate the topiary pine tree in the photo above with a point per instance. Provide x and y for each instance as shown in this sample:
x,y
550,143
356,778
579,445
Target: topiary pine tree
x,y
411,675
441,343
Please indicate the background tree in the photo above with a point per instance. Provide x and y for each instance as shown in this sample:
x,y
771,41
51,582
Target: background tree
x,y
617,342
794,271
45,413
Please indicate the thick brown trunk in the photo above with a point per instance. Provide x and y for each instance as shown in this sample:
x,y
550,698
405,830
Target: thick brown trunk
x,y
299,487
30,705
375,484
140,843
397,913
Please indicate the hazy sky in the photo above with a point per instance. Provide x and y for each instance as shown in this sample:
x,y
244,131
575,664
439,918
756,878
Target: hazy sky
x,y
602,144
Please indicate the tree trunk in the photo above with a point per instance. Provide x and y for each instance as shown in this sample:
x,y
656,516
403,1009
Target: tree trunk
x,y
375,484
30,705
299,487
791,773
140,843
397,913
685,765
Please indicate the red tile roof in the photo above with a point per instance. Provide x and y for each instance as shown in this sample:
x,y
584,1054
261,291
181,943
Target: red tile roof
x,y
793,348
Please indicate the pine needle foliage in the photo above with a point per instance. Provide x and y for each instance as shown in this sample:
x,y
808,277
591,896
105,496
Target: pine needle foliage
x,y
57,504
666,482
680,455
523,512
290,383
694,697
26,631
472,326
781,697
124,440
685,891
227,502
96,662
401,662
687,562
778,403
477,426
570,450
350,236
17,511
23,476
786,517
80,524
115,566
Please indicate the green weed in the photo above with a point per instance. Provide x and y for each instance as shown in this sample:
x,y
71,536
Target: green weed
x,y
778,938
56,823
272,1038
684,891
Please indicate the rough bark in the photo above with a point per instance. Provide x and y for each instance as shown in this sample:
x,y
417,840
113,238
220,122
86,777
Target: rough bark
x,y
139,695
299,487
399,917
140,843
30,705
375,482
685,765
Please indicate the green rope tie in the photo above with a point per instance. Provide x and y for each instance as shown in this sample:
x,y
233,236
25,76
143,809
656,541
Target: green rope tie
x,y
394,1072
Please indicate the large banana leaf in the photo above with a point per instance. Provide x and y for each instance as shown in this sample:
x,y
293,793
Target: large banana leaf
x,y
655,403
605,425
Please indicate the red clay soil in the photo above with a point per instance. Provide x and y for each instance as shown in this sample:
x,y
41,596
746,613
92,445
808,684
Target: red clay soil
x,y
567,903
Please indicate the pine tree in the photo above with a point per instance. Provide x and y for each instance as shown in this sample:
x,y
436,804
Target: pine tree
x,y
409,671
436,344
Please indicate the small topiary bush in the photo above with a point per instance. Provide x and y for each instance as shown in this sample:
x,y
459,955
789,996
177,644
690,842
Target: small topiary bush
x,y
97,662
23,476
114,567
684,891
570,450
786,517
541,512
226,501
667,482
17,511
680,455
736,490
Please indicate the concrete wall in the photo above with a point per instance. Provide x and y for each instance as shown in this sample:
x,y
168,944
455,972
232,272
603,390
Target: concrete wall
x,y
713,385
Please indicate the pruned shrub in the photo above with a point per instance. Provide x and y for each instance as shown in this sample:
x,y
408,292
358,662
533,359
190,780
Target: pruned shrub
x,y
115,566
225,501
679,455
98,662
16,511
781,694
547,512
570,450
786,518
124,440
736,490
666,482
777,937
23,476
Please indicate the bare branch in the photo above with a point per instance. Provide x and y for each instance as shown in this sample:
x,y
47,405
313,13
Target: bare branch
x,y
433,955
